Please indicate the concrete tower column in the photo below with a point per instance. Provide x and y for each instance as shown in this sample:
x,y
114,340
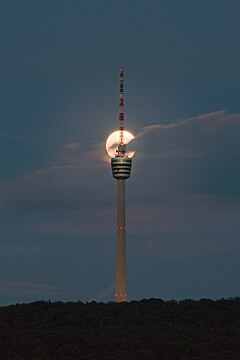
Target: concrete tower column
x,y
121,286
121,170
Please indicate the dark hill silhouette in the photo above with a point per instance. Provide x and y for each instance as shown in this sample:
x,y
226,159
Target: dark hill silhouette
x,y
138,330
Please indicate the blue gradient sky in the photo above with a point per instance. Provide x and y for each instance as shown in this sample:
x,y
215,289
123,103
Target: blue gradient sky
x,y
59,85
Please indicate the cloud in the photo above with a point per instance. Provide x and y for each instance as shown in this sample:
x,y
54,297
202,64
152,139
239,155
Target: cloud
x,y
74,154
209,122
21,139
26,288
198,134
16,248
59,200
184,214
185,178
198,155
72,146
105,293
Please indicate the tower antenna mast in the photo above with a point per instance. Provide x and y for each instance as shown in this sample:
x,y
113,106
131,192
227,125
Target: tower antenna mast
x,y
121,150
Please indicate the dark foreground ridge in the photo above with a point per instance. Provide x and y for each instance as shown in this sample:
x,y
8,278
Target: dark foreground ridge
x,y
146,329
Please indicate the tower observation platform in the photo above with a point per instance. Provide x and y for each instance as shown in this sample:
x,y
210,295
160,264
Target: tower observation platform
x,y
121,167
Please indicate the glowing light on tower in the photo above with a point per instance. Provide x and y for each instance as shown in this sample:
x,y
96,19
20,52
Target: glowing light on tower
x,y
121,163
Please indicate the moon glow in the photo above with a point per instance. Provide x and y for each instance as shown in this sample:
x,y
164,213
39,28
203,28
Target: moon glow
x,y
113,142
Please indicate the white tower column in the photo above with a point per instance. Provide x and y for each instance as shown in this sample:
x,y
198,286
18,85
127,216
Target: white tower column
x,y
121,285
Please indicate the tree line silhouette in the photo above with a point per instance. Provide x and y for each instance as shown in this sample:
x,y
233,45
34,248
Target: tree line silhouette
x,y
137,330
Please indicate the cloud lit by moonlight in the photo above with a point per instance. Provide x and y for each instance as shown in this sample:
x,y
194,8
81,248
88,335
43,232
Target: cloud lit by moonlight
x,y
113,142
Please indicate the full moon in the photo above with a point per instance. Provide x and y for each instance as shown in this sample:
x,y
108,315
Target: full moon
x,y
113,142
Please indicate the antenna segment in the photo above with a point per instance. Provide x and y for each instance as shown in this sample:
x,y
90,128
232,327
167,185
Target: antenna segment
x,y
121,105
121,150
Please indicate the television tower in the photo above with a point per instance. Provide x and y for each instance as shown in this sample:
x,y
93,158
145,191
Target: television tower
x,y
121,165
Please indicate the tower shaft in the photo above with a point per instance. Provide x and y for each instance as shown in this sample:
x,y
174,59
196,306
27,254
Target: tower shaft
x,y
121,286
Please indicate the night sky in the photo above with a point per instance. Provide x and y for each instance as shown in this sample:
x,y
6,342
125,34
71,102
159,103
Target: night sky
x,y
59,87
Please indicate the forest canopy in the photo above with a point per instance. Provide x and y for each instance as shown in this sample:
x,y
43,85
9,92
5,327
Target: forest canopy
x,y
146,329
